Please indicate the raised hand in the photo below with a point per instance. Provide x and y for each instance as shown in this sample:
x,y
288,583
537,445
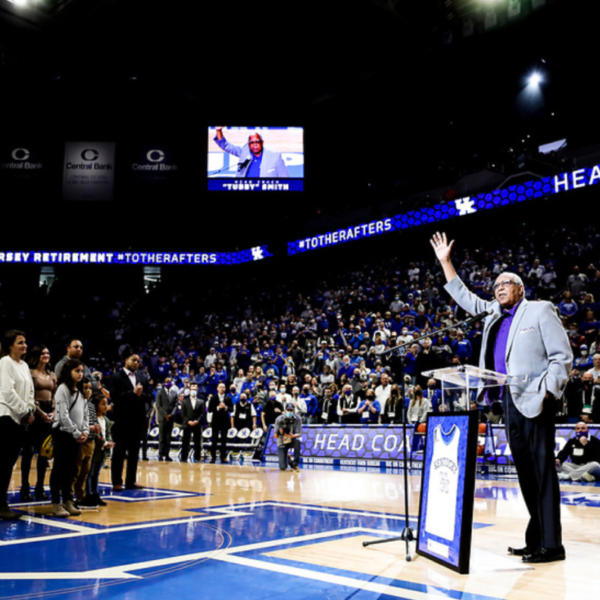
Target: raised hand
x,y
442,248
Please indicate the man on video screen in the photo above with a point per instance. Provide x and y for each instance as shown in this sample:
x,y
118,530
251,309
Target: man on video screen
x,y
254,160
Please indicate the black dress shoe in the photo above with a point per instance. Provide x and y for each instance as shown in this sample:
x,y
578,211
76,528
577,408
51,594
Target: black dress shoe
x,y
168,459
545,555
134,486
520,551
26,497
213,461
41,495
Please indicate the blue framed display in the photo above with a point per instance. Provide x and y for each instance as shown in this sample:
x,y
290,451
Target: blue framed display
x,y
448,489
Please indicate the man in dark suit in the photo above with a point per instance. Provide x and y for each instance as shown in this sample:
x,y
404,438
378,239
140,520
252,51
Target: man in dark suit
x,y
130,394
165,404
193,413
219,407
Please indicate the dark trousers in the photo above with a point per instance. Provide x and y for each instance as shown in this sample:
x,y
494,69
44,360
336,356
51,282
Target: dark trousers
x,y
34,438
66,451
12,437
532,446
190,433
219,430
91,485
165,429
127,447
282,453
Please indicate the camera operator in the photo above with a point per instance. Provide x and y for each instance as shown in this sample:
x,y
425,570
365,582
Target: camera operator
x,y
288,429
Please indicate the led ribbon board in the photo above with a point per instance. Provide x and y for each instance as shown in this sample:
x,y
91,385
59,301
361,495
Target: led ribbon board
x,y
458,208
363,442
136,258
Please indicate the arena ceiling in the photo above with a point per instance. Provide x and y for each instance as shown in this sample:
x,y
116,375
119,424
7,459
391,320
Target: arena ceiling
x,y
398,96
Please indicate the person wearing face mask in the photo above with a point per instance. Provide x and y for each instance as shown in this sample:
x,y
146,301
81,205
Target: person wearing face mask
x,y
346,369
583,396
584,360
297,401
369,409
329,408
193,412
271,411
283,396
583,450
433,395
243,414
288,430
348,406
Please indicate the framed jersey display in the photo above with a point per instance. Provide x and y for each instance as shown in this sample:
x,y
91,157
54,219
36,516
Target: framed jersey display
x,y
448,489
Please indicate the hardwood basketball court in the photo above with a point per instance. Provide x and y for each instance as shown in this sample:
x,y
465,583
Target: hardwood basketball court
x,y
243,531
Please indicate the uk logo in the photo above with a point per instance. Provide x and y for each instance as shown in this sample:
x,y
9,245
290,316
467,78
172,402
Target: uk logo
x,y
465,206
257,253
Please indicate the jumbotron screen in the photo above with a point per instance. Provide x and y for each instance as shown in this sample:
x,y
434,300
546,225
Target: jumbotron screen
x,y
264,159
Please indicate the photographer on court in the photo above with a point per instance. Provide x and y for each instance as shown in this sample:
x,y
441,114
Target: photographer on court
x,y
288,429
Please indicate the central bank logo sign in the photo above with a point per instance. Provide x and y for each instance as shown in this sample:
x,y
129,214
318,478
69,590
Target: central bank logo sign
x,y
154,163
88,171
20,154
90,155
155,156
20,160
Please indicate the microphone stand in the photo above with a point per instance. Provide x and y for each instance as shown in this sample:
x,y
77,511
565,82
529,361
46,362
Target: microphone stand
x,y
407,534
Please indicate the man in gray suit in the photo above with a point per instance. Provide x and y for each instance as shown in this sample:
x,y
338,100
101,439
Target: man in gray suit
x,y
254,161
526,340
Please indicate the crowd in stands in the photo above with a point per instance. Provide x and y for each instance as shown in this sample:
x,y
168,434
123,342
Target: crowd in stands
x,y
323,345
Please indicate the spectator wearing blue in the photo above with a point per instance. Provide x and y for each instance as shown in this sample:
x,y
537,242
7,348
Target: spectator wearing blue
x,y
346,369
341,335
584,361
212,381
235,396
201,380
312,405
462,348
590,326
567,306
369,409
249,385
222,372
162,369
433,395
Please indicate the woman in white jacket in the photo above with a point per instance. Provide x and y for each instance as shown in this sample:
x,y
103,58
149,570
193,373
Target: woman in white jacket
x,y
16,409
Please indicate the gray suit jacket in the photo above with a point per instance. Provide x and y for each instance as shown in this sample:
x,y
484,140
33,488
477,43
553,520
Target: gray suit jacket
x,y
271,166
538,352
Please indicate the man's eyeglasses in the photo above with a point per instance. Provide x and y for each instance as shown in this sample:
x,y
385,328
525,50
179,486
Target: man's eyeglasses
x,y
504,283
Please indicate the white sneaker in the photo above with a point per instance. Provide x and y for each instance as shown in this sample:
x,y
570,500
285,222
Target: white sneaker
x,y
58,510
588,477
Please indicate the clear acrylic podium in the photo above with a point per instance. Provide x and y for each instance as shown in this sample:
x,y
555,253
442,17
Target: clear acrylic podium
x,y
468,377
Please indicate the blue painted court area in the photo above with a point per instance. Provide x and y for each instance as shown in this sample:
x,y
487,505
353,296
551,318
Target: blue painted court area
x,y
214,553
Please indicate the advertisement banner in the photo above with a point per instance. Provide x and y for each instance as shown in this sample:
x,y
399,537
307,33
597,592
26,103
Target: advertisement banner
x,y
88,171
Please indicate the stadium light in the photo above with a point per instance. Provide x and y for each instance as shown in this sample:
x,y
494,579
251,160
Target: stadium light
x,y
535,79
